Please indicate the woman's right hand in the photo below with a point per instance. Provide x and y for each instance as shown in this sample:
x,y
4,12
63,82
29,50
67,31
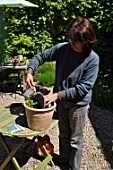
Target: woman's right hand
x,y
30,80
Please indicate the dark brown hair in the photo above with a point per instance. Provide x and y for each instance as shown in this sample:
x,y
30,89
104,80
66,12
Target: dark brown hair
x,y
82,30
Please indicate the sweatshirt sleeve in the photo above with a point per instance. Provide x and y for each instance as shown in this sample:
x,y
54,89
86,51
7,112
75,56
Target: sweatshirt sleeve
x,y
41,58
48,55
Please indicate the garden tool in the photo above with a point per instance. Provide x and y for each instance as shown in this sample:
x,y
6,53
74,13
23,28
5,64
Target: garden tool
x,y
35,89
29,91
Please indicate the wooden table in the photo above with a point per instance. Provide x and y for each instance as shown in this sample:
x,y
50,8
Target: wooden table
x,y
16,69
13,116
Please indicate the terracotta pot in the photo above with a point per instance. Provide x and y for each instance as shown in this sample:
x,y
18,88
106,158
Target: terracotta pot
x,y
39,119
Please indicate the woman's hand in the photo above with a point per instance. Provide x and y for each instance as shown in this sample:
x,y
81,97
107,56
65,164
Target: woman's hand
x,y
50,98
30,80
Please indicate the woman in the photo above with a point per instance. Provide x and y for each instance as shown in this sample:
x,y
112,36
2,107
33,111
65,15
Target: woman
x,y
76,72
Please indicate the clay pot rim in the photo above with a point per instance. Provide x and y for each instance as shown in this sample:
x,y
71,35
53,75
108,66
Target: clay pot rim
x,y
40,110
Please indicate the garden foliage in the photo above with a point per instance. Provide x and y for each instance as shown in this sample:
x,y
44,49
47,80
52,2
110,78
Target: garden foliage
x,y
31,30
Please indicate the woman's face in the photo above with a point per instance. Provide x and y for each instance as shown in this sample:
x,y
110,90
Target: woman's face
x,y
76,46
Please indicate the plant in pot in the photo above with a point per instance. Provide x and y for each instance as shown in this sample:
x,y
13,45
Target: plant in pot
x,y
23,61
39,115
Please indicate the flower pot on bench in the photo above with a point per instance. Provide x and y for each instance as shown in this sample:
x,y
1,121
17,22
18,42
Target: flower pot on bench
x,y
39,119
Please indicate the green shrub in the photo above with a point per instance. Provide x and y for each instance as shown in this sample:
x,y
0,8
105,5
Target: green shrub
x,y
103,92
46,74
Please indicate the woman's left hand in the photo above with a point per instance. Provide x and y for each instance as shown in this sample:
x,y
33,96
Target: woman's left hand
x,y
50,98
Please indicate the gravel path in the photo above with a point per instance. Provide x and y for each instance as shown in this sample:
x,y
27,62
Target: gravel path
x,y
98,136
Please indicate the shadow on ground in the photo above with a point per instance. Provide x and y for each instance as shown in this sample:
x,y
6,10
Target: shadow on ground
x,y
102,122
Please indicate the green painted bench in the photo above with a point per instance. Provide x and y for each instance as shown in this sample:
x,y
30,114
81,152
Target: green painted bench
x,y
11,116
